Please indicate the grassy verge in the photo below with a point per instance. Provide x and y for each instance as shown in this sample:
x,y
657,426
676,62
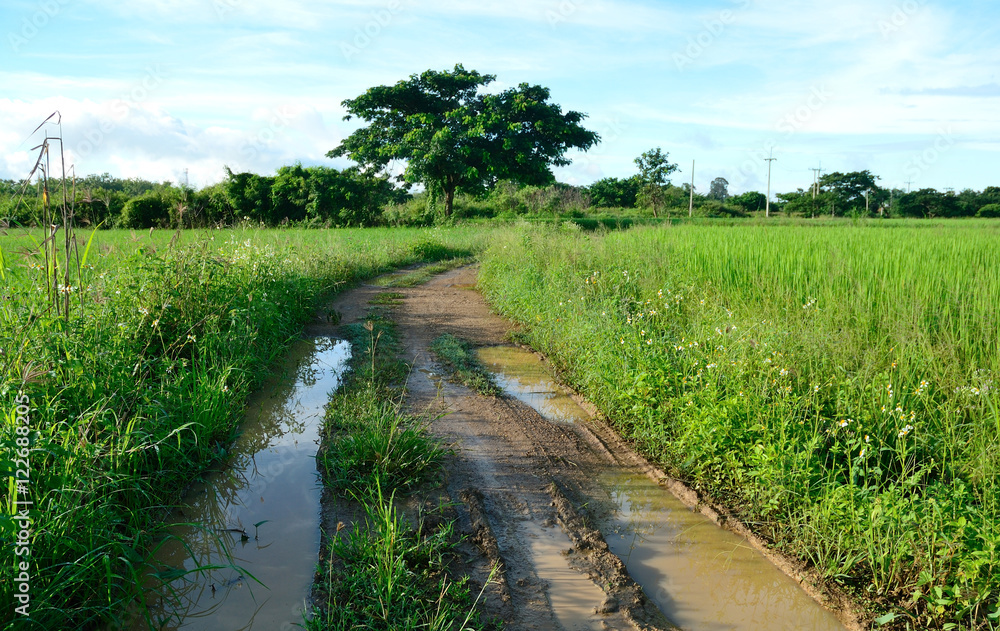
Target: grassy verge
x,y
425,273
385,573
113,411
458,357
835,385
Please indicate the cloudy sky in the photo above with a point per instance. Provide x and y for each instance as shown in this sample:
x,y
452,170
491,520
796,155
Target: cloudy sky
x,y
153,88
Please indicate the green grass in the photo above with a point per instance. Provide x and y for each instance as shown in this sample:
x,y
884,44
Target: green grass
x,y
833,383
457,355
388,574
425,273
385,573
144,386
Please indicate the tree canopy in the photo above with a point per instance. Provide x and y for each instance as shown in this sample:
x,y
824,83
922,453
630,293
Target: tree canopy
x,y
454,138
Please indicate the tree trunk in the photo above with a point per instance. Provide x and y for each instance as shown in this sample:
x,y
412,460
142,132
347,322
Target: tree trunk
x,y
449,185
449,199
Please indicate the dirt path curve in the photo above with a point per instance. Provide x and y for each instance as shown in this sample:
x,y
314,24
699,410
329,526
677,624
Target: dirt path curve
x,y
521,484
519,477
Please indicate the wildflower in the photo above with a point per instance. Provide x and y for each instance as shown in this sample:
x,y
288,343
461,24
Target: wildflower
x,y
192,338
906,430
784,372
225,388
648,342
143,310
816,388
623,340
642,333
844,423
711,365
155,323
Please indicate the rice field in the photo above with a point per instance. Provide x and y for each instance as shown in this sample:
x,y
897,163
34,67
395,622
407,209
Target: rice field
x,y
109,412
833,384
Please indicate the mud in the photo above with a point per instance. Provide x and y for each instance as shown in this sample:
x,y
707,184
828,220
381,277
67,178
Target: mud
x,y
540,486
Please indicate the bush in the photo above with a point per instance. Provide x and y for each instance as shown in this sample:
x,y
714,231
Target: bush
x,y
147,211
989,210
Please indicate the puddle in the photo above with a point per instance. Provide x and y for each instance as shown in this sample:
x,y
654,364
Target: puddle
x,y
522,375
699,575
271,475
702,577
572,595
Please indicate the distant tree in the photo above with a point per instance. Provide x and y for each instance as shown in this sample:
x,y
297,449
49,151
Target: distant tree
x,y
249,195
719,189
989,210
150,210
849,190
453,138
750,201
612,192
927,202
654,174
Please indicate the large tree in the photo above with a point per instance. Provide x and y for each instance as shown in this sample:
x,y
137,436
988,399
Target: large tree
x,y
454,138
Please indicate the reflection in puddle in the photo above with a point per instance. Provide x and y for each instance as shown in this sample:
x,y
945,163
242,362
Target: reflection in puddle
x,y
700,576
270,477
573,596
523,376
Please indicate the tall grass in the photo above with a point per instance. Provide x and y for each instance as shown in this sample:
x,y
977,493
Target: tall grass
x,y
144,386
834,384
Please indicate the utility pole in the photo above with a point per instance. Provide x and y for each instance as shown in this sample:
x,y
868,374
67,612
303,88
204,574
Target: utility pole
x,y
816,173
691,200
767,207
867,190
908,182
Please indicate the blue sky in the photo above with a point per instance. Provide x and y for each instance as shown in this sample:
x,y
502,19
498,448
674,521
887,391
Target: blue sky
x,y
148,88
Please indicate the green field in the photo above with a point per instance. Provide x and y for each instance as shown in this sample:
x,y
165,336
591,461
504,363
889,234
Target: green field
x,y
142,387
833,384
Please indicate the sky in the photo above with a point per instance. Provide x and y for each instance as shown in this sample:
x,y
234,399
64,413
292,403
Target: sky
x,y
179,89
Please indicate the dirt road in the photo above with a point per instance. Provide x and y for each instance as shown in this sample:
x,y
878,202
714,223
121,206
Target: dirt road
x,y
526,488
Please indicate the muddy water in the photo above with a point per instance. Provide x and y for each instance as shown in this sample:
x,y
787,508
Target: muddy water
x,y
270,477
522,375
699,575
573,596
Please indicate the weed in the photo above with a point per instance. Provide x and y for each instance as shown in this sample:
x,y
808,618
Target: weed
x,y
457,355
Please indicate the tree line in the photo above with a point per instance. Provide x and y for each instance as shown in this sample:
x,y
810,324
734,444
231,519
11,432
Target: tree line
x,y
474,154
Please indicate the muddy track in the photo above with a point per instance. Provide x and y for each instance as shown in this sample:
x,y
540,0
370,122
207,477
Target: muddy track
x,y
517,480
